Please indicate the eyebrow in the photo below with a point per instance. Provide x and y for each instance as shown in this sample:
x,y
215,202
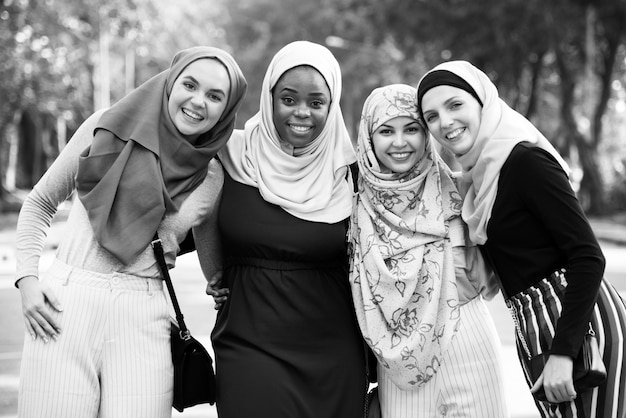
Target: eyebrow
x,y
192,78
406,124
291,90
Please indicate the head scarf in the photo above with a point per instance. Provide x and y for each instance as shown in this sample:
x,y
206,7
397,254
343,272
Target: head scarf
x,y
501,128
402,272
311,184
139,166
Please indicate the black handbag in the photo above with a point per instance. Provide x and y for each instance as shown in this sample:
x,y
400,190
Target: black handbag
x,y
589,370
535,324
194,377
372,404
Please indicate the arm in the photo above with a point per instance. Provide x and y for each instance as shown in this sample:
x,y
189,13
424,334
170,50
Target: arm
x,y
36,214
474,277
207,239
548,195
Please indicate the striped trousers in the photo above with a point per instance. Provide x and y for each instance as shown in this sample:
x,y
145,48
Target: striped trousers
x,y
112,358
469,382
609,323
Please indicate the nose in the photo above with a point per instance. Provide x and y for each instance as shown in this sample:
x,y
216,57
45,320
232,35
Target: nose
x,y
398,140
446,119
303,111
197,99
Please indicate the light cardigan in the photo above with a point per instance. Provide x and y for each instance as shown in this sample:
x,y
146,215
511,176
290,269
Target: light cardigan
x,y
78,246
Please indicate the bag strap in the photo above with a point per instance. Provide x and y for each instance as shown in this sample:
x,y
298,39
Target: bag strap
x,y
157,246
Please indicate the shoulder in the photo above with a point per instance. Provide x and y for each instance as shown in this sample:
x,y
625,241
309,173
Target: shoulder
x,y
530,161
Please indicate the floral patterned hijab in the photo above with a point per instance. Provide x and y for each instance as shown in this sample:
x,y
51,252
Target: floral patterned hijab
x,y
401,271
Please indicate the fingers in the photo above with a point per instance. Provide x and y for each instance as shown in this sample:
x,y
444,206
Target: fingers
x,y
560,393
38,306
538,384
216,280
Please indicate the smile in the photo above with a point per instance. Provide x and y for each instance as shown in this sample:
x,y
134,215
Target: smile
x,y
400,155
452,135
192,115
300,129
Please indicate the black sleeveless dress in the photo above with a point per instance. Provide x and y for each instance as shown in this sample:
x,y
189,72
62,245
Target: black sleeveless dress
x,y
286,342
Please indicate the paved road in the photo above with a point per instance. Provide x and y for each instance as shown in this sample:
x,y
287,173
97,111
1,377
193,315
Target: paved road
x,y
200,316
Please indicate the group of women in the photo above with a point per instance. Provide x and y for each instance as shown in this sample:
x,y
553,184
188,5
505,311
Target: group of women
x,y
317,255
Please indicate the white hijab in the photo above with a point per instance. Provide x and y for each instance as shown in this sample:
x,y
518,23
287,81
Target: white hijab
x,y
311,184
501,129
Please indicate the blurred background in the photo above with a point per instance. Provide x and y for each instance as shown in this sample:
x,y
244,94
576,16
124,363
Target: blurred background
x,y
561,63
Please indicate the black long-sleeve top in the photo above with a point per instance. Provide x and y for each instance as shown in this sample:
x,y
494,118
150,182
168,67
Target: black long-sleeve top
x,y
538,226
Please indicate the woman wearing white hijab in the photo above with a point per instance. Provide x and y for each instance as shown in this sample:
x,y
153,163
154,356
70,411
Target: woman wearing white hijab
x,y
417,287
286,339
520,207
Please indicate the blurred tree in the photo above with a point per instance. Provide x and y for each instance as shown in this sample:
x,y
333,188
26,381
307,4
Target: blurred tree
x,y
58,60
559,62
553,61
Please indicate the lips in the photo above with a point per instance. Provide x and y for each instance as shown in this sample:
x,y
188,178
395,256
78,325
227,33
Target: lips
x,y
454,134
399,155
192,115
300,129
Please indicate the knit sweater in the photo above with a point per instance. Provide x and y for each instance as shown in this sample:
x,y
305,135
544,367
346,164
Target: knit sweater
x,y
78,246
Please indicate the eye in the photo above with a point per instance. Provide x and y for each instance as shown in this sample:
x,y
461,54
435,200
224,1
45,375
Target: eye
x,y
317,103
413,129
430,117
287,100
188,85
215,97
455,105
385,131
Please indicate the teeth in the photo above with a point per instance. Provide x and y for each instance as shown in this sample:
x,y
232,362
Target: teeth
x,y
400,155
455,133
192,115
298,128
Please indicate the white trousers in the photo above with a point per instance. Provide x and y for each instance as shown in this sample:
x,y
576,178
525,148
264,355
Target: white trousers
x,y
112,358
469,382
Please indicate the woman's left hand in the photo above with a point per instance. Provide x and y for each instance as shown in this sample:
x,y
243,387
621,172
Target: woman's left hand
x,y
557,380
214,288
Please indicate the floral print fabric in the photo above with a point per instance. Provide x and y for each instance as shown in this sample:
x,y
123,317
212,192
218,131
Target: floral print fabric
x,y
402,272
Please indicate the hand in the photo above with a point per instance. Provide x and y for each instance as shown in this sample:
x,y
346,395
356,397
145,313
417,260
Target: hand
x,y
214,288
38,300
557,380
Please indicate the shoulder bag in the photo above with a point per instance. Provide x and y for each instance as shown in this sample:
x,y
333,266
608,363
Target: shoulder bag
x,y
535,312
194,377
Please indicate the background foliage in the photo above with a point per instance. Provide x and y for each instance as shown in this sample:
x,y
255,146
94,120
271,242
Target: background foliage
x,y
561,63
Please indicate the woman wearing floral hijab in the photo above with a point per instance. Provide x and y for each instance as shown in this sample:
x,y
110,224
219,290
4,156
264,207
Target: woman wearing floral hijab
x,y
521,209
416,286
286,340
97,323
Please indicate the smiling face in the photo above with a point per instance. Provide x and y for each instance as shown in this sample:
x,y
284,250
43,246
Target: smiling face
x,y
399,144
453,117
198,97
301,101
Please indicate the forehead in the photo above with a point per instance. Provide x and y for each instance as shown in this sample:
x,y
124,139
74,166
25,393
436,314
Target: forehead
x,y
303,78
209,71
399,121
440,94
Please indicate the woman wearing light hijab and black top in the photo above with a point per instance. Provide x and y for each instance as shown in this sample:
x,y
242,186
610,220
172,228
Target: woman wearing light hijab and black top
x,y
520,207
418,287
98,322
286,340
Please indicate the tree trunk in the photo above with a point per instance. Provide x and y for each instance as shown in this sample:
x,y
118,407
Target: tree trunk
x,y
591,193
